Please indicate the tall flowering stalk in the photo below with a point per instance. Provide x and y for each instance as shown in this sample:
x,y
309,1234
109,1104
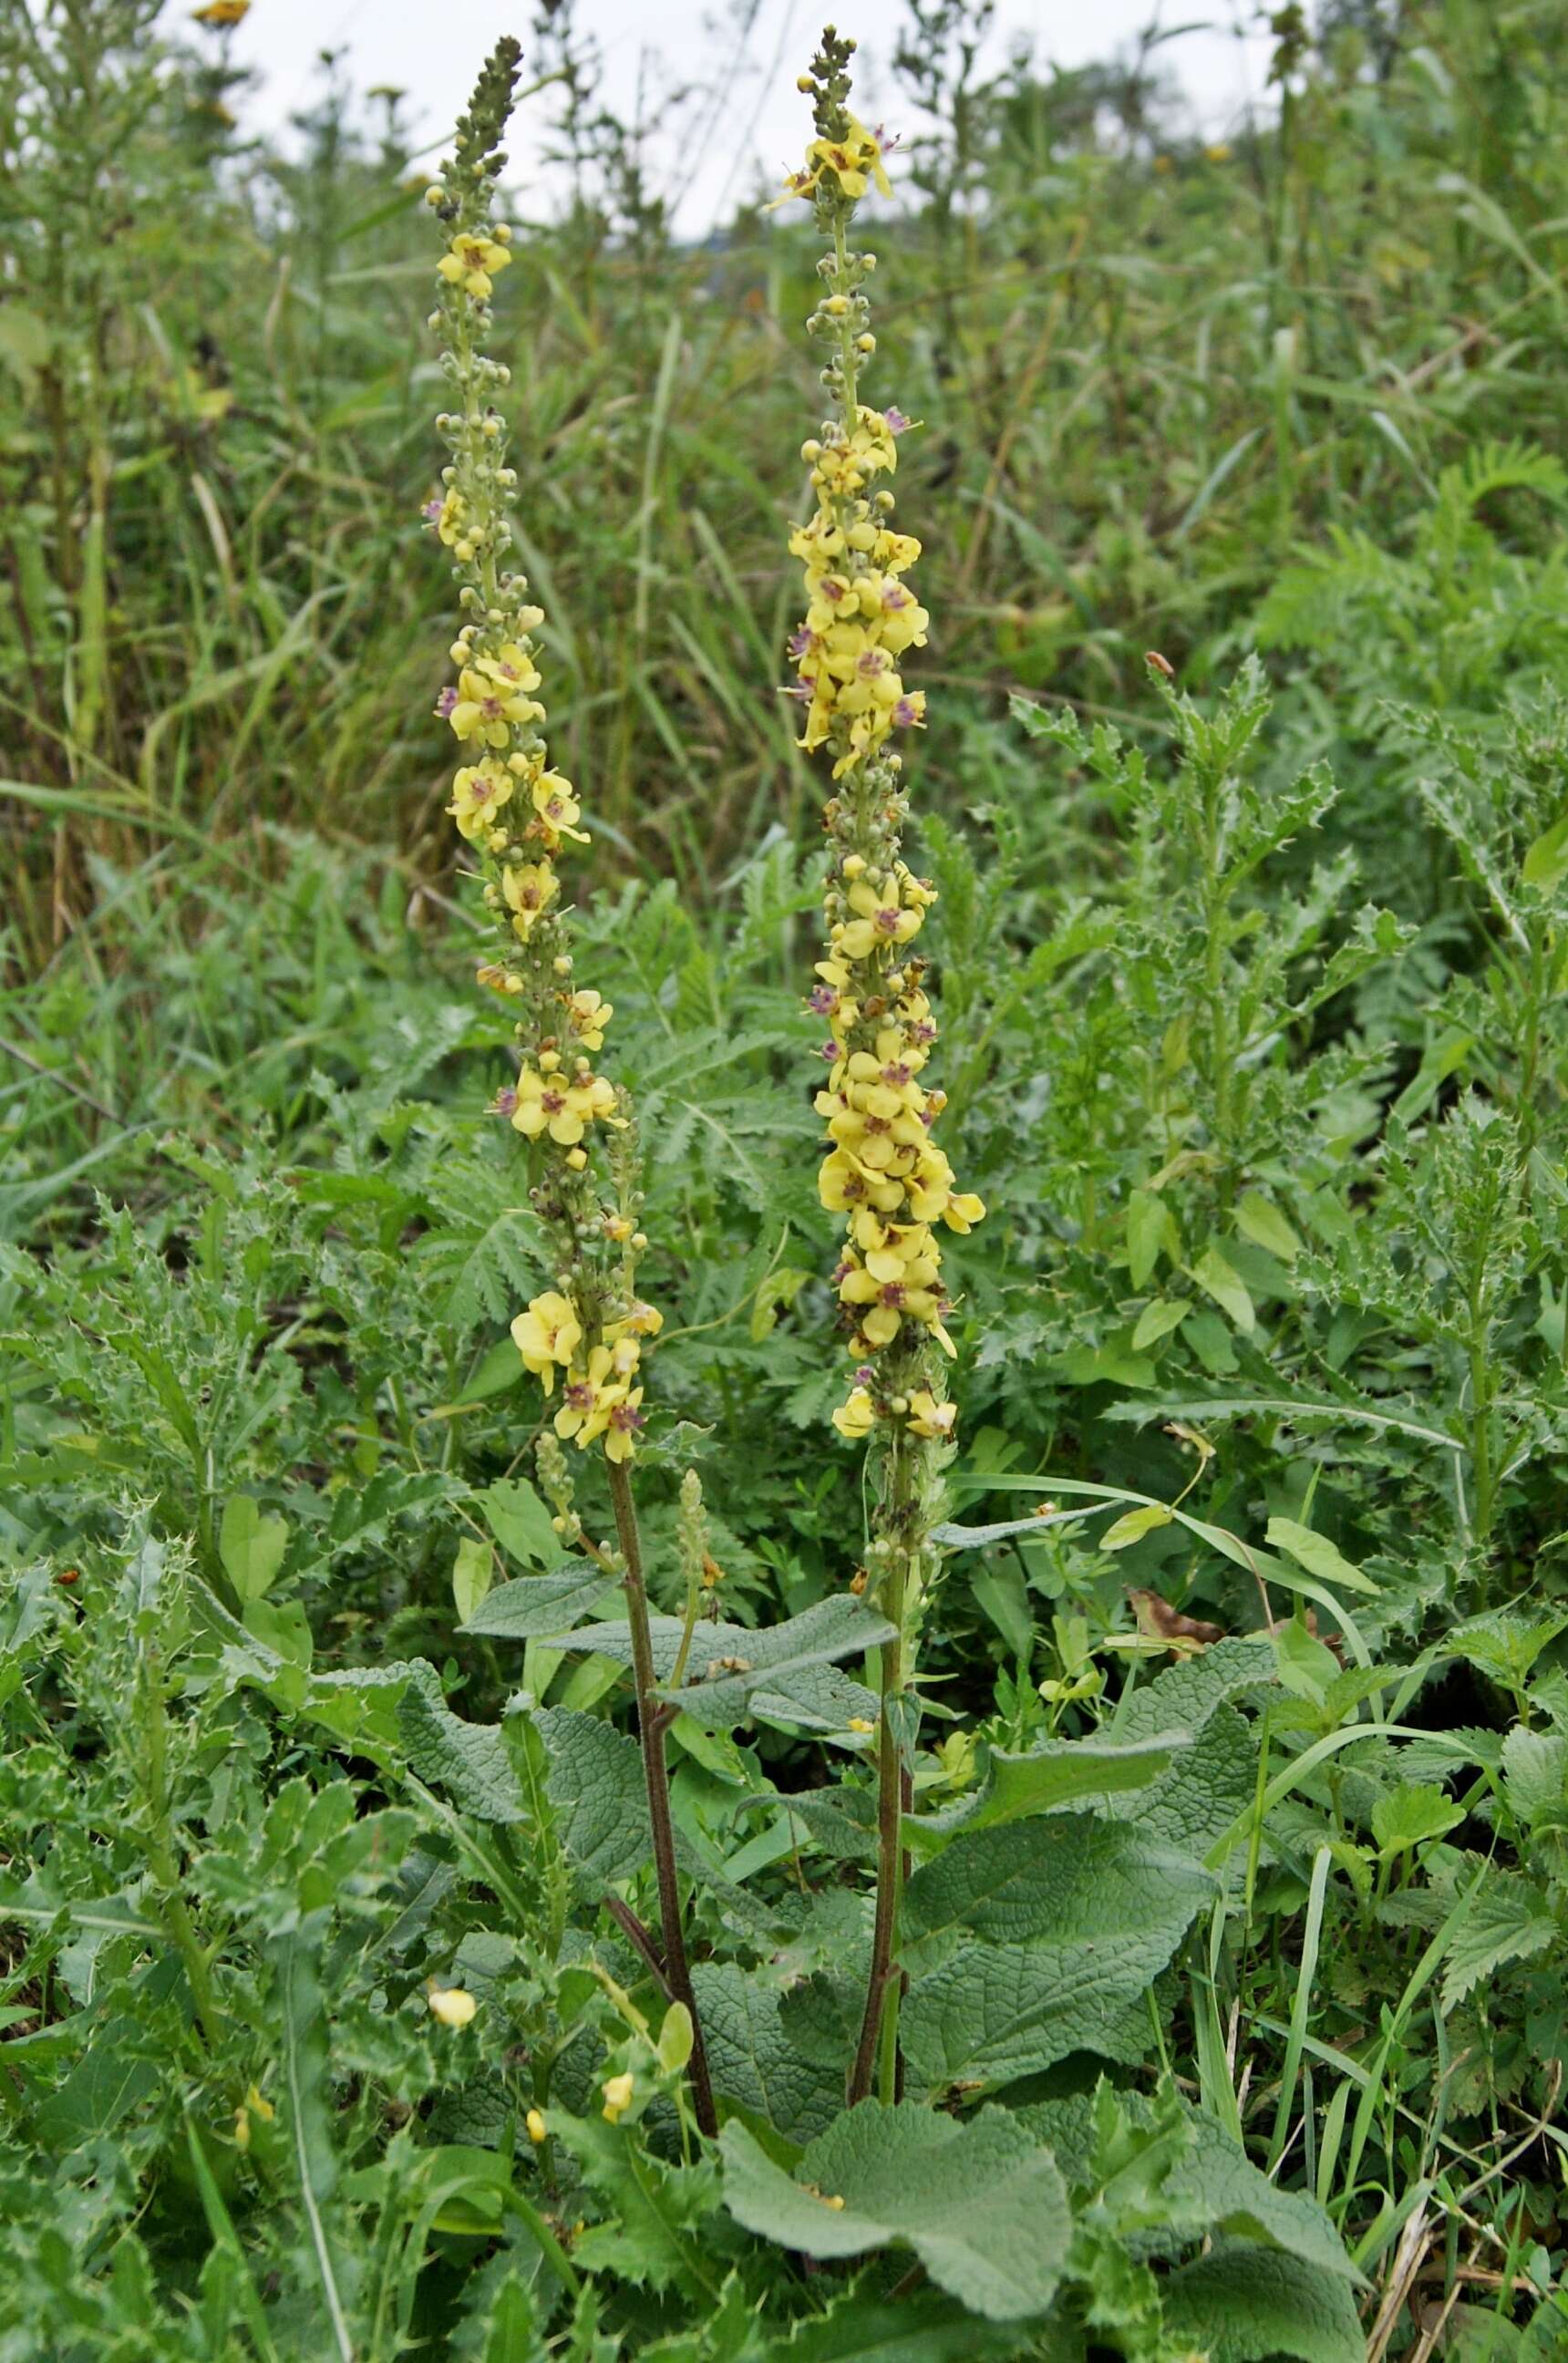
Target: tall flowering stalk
x,y
884,1171
517,817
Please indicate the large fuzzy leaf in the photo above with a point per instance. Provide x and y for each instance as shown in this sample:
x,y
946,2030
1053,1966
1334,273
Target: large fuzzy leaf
x,y
782,1674
981,2203
1242,2303
753,2063
1063,1772
468,1760
1075,1916
597,1791
535,1604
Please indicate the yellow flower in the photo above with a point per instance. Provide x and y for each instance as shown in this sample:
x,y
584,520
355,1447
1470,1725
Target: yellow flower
x,y
548,1333
624,1422
617,2092
882,917
855,161
550,1103
857,1416
928,1417
485,708
253,2105
591,1395
452,2006
223,14
588,1014
529,888
558,809
537,2130
479,790
472,261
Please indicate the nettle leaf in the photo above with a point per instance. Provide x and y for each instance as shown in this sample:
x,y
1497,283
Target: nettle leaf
x,y
754,2064
1076,1917
1243,2303
1064,1772
468,1760
981,2203
594,1785
781,1673
1509,1918
1408,1816
531,1605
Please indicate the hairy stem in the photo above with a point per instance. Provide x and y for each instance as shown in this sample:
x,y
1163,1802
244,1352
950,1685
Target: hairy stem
x,y
881,1984
651,1731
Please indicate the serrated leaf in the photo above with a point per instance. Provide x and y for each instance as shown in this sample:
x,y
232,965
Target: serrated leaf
x,y
1318,1554
651,2236
981,2203
532,1605
1408,1816
1259,1220
1242,2303
1508,1918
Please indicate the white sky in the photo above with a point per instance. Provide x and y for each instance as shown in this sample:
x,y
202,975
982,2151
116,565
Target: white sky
x,y
431,47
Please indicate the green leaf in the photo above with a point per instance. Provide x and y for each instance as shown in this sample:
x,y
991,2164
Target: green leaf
x,y
1243,2303
520,1522
1062,1772
1546,863
778,1673
532,1605
1318,1554
923,2327
1149,1229
1222,1280
1405,1817
1133,1524
1508,1918
472,1571
595,1788
650,2234
306,2119
252,1546
1259,1220
981,2203
468,1760
1305,1666
753,2065
1158,1319
1086,1915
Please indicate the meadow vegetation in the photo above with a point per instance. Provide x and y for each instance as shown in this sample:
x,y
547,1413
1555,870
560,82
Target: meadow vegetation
x,y
1093,1880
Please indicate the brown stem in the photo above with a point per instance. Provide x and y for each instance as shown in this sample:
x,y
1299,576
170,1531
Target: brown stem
x,y
889,1818
650,1725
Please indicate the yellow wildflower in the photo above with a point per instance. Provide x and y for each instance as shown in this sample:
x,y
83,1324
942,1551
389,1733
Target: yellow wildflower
x,y
592,1394
530,888
479,790
617,2092
222,15
472,261
548,1333
563,1109
486,708
452,2006
856,1416
537,2129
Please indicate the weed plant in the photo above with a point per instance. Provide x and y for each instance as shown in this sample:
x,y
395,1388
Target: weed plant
x,y
1061,1861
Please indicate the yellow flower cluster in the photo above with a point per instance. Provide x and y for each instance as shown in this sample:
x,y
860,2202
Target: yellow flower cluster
x,y
883,1171
517,813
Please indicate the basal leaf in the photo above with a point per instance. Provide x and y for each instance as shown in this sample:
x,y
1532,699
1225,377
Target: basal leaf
x,y
981,2203
1242,2303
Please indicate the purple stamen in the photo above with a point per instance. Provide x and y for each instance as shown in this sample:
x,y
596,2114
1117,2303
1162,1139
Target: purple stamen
x,y
446,701
895,420
824,1001
431,512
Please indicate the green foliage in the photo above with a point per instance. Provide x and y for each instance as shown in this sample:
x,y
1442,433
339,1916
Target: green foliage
x,y
1235,1916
